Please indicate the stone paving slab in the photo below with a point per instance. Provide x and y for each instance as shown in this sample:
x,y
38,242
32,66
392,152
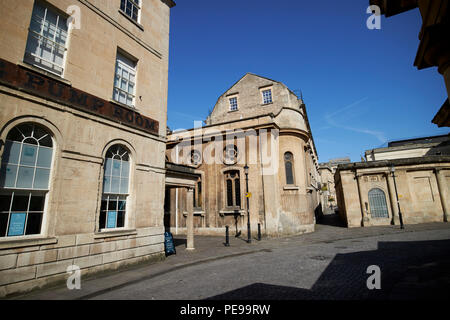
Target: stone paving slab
x,y
209,249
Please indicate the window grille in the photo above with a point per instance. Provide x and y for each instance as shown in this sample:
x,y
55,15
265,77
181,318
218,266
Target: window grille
x,y
267,96
377,203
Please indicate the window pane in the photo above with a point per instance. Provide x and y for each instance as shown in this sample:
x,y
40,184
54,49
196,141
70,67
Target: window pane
x,y
44,157
112,204
123,85
102,219
229,193
122,205
125,169
34,223
130,88
104,204
116,95
3,223
25,177
289,174
11,153
28,155
120,219
8,176
41,178
129,101
46,141
124,185
106,184
5,202
20,203
116,168
135,13
237,188
108,166
37,203
115,185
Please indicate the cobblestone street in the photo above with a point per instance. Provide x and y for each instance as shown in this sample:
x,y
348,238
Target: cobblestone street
x,y
330,263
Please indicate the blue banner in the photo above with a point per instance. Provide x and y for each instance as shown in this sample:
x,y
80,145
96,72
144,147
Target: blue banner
x,y
111,219
17,224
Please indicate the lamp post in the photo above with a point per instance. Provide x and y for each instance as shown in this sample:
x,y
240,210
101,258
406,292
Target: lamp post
x,y
396,195
249,237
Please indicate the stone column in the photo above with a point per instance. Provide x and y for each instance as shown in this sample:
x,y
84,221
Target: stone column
x,y
365,219
190,218
443,192
394,206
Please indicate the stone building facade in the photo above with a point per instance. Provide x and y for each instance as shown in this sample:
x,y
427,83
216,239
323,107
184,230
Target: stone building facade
x,y
83,101
411,148
367,192
260,124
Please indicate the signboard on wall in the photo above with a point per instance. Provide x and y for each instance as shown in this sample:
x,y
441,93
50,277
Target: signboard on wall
x,y
29,81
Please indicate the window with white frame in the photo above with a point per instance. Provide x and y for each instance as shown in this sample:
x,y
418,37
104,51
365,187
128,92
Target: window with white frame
x,y
24,179
233,104
267,96
125,80
131,8
47,39
115,188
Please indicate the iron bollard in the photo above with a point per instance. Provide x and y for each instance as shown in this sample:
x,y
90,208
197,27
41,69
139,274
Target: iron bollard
x,y
227,237
259,231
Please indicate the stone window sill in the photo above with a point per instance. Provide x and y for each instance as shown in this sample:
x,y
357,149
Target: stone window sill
x,y
232,211
114,233
124,105
26,241
196,213
43,72
291,188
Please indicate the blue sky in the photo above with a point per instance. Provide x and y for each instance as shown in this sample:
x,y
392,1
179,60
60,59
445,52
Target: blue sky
x,y
359,85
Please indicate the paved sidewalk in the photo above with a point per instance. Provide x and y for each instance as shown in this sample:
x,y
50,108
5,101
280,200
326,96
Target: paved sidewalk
x,y
212,248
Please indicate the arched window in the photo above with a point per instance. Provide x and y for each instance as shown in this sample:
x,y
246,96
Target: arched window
x,y
24,179
115,188
289,167
233,189
377,203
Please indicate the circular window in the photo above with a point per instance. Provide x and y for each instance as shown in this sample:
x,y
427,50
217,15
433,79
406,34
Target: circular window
x,y
196,157
230,154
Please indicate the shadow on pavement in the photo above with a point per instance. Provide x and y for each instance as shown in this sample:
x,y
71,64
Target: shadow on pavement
x,y
179,242
331,220
409,270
